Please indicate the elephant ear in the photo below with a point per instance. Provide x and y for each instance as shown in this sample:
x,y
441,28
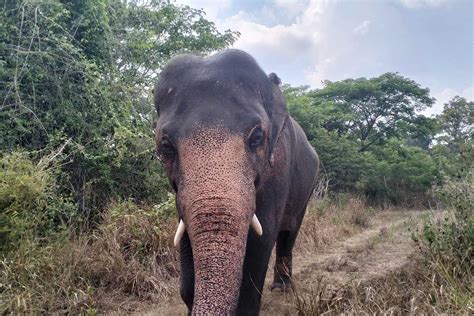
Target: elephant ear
x,y
277,112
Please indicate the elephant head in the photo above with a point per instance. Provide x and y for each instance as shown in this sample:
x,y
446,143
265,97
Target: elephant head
x,y
219,122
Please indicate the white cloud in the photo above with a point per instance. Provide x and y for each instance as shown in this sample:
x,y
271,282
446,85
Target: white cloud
x,y
468,93
305,49
445,95
278,46
292,7
414,4
362,28
308,41
318,73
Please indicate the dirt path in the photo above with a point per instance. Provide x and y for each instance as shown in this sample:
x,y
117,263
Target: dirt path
x,y
385,246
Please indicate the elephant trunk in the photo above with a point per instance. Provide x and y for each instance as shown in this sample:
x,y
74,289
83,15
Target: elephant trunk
x,y
216,199
218,233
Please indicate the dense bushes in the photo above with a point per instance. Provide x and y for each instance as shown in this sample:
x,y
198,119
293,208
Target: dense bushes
x,y
447,241
400,174
372,141
31,206
84,71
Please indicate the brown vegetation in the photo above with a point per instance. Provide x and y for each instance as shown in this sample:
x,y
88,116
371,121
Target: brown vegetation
x,y
128,259
349,258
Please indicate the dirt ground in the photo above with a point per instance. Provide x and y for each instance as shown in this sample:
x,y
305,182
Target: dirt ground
x,y
385,246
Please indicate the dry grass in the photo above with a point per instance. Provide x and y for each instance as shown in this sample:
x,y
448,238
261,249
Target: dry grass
x,y
319,301
130,254
411,290
328,220
35,278
127,260
428,283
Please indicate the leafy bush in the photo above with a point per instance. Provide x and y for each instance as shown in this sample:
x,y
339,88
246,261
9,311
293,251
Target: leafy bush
x,y
83,70
448,242
30,204
401,175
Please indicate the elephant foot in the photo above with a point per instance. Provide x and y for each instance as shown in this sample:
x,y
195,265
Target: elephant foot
x,y
280,286
282,275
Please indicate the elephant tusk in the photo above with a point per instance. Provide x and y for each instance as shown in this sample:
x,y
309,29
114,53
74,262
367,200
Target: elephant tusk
x,y
255,224
179,232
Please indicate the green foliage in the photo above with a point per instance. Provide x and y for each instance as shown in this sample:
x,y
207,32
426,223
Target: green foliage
x,y
369,137
31,206
454,152
83,70
401,174
167,209
448,242
373,107
344,164
457,120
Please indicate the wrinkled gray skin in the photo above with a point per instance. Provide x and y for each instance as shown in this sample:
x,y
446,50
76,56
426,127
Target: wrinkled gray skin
x,y
231,150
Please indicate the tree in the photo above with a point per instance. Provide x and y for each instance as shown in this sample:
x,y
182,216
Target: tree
x,y
455,149
369,137
401,174
457,121
374,107
83,71
420,132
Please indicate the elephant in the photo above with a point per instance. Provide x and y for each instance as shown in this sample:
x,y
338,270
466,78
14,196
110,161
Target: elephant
x,y
243,172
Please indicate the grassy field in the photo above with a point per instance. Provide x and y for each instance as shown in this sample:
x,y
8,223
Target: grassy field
x,y
349,257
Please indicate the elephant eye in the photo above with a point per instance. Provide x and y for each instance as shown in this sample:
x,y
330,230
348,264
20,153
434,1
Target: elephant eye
x,y
256,138
166,148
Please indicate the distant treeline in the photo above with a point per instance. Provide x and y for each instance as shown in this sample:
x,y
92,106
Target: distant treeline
x,y
372,140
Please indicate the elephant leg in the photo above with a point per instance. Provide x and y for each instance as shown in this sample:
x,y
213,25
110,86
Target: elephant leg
x,y
187,272
254,272
282,270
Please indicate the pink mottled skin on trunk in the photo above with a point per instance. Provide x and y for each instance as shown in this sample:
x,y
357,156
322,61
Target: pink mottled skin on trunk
x,y
216,199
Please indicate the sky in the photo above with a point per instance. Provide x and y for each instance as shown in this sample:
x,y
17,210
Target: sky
x,y
307,41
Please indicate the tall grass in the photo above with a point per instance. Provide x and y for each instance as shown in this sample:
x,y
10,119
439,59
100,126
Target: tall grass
x,y
127,259
447,243
331,218
47,265
438,279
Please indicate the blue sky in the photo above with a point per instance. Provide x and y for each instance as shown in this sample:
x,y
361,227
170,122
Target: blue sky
x,y
307,41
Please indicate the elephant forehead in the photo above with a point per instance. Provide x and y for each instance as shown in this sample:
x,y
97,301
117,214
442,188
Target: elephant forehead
x,y
204,137
208,148
215,160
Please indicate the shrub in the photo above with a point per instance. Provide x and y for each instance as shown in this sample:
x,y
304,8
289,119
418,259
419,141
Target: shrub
x,y
448,242
30,205
130,251
128,257
401,175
